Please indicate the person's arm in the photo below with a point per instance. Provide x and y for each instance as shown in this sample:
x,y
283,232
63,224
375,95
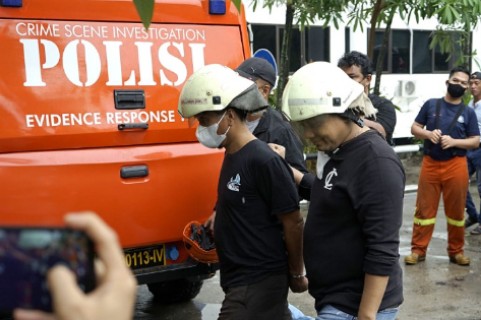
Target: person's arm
x,y
295,152
209,223
277,187
303,180
376,126
378,193
285,136
467,143
374,288
471,130
114,296
419,132
293,226
385,116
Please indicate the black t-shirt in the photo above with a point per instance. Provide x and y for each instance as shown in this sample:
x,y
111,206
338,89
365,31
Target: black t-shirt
x,y
273,128
353,224
255,186
385,116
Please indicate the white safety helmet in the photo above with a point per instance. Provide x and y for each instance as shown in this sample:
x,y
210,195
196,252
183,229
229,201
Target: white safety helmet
x,y
213,88
321,88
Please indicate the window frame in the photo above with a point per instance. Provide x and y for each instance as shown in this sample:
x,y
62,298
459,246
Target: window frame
x,y
303,34
432,52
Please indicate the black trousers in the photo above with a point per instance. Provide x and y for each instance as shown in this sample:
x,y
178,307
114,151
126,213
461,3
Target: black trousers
x,y
266,299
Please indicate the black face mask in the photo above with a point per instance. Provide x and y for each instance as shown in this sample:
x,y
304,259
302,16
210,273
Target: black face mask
x,y
455,90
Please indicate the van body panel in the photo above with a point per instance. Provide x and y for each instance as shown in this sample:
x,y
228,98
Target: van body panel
x,y
89,121
146,210
45,72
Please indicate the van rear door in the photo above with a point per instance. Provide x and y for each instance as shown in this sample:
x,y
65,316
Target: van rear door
x,y
88,113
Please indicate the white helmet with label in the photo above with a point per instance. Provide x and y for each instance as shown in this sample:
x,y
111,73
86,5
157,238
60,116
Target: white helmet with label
x,y
321,88
213,88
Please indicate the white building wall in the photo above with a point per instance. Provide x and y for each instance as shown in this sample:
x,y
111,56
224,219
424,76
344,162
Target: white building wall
x,y
427,85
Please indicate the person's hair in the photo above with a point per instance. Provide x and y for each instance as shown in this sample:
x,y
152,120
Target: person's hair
x,y
459,69
241,114
356,58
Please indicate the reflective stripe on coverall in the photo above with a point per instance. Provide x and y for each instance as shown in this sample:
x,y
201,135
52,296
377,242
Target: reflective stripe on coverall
x,y
451,179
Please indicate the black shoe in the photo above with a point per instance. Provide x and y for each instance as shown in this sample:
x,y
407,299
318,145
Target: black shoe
x,y
469,222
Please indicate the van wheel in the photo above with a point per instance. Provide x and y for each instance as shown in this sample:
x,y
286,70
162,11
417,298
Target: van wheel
x,y
175,291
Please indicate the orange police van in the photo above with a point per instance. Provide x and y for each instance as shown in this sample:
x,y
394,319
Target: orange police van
x,y
88,121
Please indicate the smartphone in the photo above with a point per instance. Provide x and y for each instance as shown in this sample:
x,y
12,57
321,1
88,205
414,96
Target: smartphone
x,y
26,254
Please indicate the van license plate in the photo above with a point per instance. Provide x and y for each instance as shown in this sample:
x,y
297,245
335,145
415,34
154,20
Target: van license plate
x,y
145,257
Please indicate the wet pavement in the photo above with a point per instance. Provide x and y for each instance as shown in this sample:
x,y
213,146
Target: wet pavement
x,y
434,289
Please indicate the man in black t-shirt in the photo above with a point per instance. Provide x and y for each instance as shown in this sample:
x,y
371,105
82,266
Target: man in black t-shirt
x,y
258,226
358,67
268,124
351,237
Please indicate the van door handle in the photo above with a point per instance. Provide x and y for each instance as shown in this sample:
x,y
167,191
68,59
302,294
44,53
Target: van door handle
x,y
129,99
133,126
129,172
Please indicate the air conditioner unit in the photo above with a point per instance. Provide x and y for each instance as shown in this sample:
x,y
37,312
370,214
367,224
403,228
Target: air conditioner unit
x,y
407,88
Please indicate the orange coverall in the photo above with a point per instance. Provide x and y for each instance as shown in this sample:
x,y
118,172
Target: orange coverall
x,y
450,178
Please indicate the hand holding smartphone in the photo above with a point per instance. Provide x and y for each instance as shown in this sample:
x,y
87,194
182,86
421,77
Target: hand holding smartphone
x,y
115,291
26,255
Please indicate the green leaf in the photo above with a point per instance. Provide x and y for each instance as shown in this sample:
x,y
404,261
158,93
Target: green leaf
x,y
336,24
237,4
457,16
145,8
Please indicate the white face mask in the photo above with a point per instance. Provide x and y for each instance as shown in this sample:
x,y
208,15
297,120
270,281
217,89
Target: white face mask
x,y
209,137
322,159
252,125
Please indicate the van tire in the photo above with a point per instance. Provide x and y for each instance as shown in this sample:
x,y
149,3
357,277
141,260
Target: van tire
x,y
180,290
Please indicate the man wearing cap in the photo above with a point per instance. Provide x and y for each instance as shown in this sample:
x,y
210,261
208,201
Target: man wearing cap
x,y
258,225
268,125
474,155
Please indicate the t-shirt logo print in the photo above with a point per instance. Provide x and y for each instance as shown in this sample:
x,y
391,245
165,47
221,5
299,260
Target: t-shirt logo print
x,y
329,176
234,183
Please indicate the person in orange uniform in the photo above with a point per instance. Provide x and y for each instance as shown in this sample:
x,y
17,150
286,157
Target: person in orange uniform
x,y
449,129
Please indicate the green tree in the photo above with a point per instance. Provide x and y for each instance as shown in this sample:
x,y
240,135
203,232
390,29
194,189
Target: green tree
x,y
453,15
303,12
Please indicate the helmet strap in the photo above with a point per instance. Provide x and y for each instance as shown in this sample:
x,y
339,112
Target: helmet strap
x,y
353,116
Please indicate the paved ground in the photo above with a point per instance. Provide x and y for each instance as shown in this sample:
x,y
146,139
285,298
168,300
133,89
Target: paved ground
x,y
434,289
437,289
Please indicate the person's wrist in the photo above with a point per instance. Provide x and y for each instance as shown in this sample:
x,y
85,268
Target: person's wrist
x,y
297,275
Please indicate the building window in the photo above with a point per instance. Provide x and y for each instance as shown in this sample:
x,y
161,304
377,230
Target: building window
x,y
264,37
427,60
308,45
424,60
397,57
317,44
422,56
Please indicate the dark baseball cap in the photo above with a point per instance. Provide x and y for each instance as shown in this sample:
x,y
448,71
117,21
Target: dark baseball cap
x,y
255,68
476,75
